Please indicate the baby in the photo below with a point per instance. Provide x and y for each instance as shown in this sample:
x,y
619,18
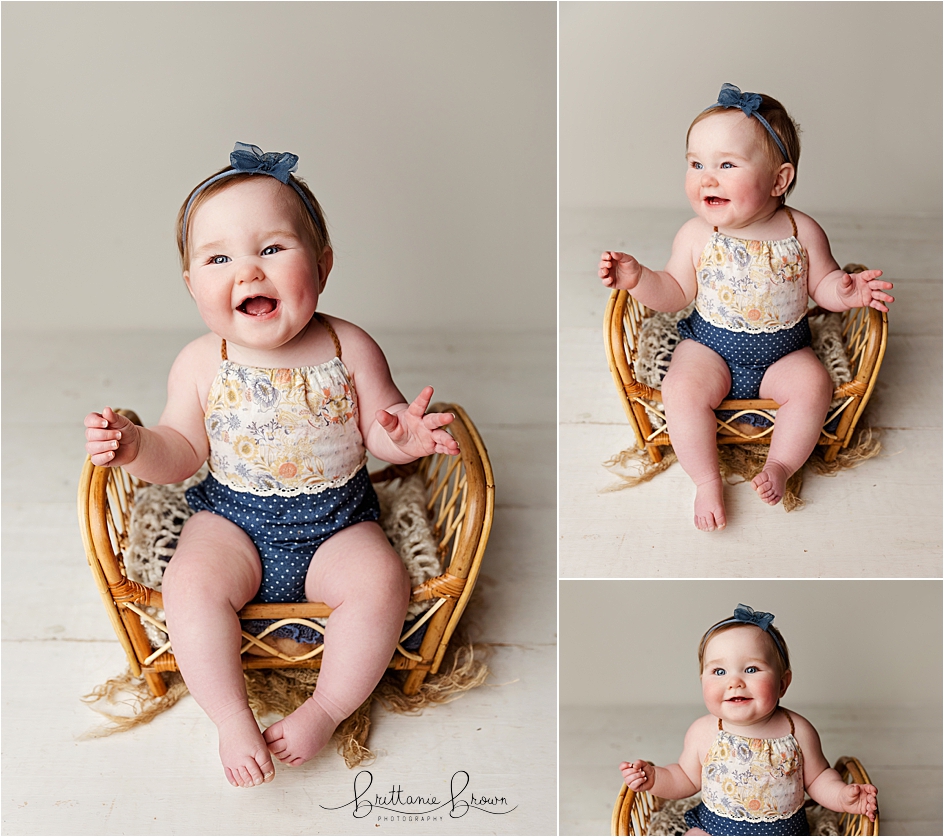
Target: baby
x,y
287,512
751,759
750,263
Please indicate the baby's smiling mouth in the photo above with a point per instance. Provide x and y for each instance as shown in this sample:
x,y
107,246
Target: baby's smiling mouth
x,y
738,699
258,306
713,200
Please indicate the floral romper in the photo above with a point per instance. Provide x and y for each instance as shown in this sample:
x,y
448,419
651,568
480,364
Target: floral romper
x,y
287,463
750,306
751,786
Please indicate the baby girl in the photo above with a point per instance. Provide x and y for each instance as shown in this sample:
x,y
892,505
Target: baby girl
x,y
751,759
287,512
750,263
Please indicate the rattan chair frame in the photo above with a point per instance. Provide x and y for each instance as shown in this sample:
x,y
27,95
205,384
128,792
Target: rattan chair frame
x,y
461,503
633,811
864,335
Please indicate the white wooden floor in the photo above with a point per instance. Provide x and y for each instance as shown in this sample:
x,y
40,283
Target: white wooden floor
x,y
880,520
900,750
165,778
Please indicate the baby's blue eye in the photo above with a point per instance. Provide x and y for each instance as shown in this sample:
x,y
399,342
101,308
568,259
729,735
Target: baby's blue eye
x,y
727,166
697,165
273,248
219,260
752,669
720,672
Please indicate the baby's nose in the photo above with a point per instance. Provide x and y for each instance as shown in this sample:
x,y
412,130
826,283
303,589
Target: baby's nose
x,y
248,269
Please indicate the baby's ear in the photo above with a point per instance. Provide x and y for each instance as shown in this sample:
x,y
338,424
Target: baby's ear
x,y
187,283
785,175
785,682
324,267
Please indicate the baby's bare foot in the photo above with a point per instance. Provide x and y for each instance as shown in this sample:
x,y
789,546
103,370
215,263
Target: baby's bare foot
x,y
770,483
246,760
300,736
709,506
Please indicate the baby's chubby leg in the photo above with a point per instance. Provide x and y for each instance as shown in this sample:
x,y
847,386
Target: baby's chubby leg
x,y
697,382
358,574
214,572
803,388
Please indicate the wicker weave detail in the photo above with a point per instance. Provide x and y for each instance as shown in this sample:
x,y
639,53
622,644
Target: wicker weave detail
x,y
443,586
130,591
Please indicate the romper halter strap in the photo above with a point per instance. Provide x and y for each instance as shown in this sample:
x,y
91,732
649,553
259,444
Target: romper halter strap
x,y
789,718
322,320
792,222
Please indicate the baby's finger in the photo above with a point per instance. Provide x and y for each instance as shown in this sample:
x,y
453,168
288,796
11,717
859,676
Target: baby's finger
x,y
95,433
95,420
97,447
102,458
389,423
421,402
434,420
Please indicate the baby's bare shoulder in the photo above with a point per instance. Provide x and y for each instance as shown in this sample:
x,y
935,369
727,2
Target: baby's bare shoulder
x,y
802,728
692,236
357,346
807,227
198,362
703,731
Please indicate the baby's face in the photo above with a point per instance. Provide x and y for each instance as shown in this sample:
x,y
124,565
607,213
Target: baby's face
x,y
730,181
252,272
741,679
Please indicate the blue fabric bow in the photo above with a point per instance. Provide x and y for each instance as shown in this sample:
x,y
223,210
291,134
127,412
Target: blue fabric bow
x,y
732,97
250,159
749,104
748,616
743,613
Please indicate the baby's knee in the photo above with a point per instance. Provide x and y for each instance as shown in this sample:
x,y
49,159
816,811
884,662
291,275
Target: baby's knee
x,y
821,387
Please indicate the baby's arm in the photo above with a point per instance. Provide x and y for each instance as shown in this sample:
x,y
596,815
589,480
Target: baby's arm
x,y
665,290
824,784
675,781
830,286
169,452
393,430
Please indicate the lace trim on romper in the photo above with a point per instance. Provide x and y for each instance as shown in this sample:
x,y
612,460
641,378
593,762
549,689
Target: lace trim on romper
x,y
753,779
284,432
753,286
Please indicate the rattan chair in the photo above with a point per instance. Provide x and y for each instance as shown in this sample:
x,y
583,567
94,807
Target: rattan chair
x,y
461,498
633,811
864,334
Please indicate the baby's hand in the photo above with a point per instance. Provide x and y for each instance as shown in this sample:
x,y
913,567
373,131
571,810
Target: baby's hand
x,y
860,799
418,434
862,290
638,775
619,270
110,439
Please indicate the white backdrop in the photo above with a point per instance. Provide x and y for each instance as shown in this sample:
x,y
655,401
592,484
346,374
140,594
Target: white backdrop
x,y
635,643
427,131
863,79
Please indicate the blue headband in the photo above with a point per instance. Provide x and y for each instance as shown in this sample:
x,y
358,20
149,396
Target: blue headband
x,y
250,159
749,104
748,616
